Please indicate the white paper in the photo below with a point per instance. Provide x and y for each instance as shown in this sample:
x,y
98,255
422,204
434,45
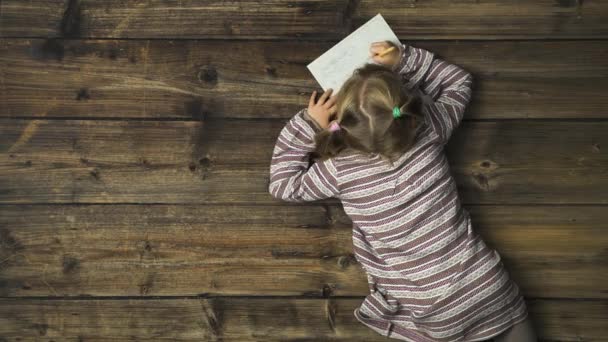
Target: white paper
x,y
337,64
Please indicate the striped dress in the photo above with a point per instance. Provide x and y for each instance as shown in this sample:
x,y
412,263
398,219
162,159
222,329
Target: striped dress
x,y
430,275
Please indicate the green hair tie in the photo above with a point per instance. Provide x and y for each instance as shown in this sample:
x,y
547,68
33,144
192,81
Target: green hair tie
x,y
396,112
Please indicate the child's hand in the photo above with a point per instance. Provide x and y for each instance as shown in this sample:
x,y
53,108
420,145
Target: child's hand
x,y
390,59
323,109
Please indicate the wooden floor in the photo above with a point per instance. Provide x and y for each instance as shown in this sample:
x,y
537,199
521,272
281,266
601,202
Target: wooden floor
x,y
136,136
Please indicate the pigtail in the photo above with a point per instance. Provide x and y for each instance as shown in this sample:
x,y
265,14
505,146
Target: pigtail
x,y
329,144
400,133
413,109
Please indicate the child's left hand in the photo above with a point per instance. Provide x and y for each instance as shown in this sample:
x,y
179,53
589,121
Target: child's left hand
x,y
323,109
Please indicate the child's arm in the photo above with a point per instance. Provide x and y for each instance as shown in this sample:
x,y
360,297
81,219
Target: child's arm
x,y
447,84
290,177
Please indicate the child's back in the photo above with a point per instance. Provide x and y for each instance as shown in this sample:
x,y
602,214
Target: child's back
x,y
429,273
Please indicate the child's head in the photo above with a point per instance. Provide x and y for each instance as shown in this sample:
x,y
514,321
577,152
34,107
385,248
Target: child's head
x,y
364,111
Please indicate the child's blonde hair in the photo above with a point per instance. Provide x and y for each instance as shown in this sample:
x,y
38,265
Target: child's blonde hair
x,y
364,111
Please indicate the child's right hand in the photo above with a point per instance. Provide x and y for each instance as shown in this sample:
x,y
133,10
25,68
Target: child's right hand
x,y
390,59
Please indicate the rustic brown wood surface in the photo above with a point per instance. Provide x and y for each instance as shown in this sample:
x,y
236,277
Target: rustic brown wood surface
x,y
135,142
317,19
195,79
244,319
114,250
88,161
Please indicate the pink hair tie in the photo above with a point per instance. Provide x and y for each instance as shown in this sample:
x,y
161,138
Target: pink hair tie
x,y
334,126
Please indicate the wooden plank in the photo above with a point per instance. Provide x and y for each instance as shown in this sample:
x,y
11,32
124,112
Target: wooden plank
x,y
219,161
248,319
196,79
115,250
103,320
315,20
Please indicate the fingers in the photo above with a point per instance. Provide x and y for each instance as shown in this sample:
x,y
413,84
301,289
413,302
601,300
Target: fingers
x,y
325,95
330,102
324,102
377,47
311,102
384,43
332,109
375,50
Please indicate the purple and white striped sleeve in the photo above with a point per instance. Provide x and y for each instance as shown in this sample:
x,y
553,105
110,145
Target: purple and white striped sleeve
x,y
448,85
291,178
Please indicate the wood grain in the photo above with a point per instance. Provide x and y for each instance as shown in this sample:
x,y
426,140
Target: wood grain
x,y
136,136
312,20
160,79
248,319
137,250
218,161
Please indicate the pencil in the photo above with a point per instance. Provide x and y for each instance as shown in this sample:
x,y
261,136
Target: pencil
x,y
386,51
